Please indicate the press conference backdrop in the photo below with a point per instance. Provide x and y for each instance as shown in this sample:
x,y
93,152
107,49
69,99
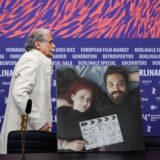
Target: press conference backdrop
x,y
88,32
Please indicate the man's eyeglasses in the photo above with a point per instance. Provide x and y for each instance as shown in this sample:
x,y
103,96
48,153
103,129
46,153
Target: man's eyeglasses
x,y
50,42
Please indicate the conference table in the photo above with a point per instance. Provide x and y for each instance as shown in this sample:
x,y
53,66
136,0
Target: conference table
x,y
146,155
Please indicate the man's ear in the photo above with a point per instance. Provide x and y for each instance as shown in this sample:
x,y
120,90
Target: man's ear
x,y
37,44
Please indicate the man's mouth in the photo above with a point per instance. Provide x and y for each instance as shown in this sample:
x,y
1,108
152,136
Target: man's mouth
x,y
116,93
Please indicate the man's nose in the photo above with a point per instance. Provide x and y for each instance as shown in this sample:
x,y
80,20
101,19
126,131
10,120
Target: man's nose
x,y
117,87
53,46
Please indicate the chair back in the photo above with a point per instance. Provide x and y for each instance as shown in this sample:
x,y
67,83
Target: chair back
x,y
35,142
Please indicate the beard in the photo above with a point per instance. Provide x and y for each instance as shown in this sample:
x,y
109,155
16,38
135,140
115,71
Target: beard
x,y
117,96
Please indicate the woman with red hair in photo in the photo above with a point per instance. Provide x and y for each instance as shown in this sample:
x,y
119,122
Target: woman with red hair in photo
x,y
80,95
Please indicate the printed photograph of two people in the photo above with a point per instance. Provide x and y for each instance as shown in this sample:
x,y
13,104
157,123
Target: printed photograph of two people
x,y
99,109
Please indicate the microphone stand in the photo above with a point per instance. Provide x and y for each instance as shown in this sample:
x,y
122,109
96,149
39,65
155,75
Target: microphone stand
x,y
24,119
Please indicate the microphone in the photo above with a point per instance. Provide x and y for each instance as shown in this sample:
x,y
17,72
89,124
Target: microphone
x,y
29,106
24,118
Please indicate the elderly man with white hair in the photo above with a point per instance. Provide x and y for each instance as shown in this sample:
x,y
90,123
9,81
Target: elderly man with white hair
x,y
31,79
